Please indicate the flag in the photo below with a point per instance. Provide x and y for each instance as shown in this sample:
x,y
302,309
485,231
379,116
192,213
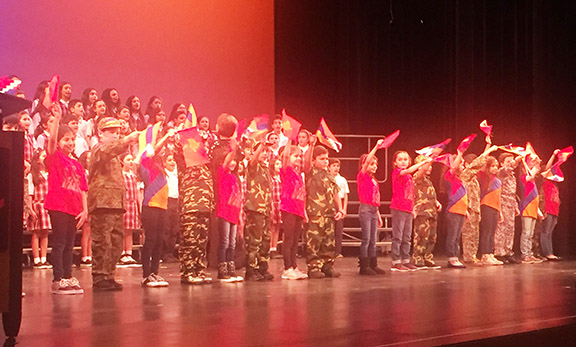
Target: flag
x,y
191,119
564,154
388,140
326,137
445,159
554,173
240,129
513,149
156,192
7,84
51,94
258,126
291,126
147,138
487,129
531,156
193,147
437,148
463,146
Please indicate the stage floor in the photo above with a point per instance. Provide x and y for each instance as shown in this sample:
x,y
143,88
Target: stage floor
x,y
428,307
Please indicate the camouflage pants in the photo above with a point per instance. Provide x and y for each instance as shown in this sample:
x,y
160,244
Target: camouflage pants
x,y
320,242
470,236
107,233
193,241
504,236
257,239
424,238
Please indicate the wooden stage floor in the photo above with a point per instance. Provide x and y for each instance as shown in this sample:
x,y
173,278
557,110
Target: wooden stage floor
x,y
430,307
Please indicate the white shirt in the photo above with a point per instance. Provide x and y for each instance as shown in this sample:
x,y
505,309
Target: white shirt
x,y
343,185
80,145
172,178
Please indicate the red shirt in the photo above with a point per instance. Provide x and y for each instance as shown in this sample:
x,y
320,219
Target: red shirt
x,y
230,199
66,182
368,189
402,191
293,196
551,197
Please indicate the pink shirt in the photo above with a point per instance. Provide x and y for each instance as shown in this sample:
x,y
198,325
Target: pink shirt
x,y
66,182
551,197
229,196
368,189
402,192
293,198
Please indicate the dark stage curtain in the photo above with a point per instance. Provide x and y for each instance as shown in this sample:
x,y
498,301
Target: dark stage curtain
x,y
435,69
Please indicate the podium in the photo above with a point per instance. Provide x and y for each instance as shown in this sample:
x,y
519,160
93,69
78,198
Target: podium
x,y
11,207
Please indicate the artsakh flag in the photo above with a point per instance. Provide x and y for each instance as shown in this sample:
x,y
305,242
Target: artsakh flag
x,y
513,149
156,185
487,129
291,126
388,140
258,126
445,159
240,129
7,84
191,119
463,146
564,154
326,137
437,148
554,173
147,139
51,94
193,147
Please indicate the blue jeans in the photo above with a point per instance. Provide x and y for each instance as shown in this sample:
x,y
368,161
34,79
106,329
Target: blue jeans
x,y
454,223
368,216
227,246
528,225
548,225
62,238
401,236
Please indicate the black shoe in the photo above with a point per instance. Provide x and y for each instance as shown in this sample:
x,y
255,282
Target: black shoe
x,y
263,269
223,271
253,275
106,286
503,259
316,274
512,260
116,285
365,269
329,271
374,266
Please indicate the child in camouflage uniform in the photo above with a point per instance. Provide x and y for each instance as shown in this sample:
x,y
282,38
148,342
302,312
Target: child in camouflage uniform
x,y
426,208
504,236
323,209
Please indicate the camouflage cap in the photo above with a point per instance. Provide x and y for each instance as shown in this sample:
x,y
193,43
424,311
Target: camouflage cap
x,y
108,123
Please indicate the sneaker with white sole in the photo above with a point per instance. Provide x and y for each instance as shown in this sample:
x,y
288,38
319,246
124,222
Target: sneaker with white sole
x,y
73,282
411,267
301,275
150,281
399,268
289,274
160,281
62,287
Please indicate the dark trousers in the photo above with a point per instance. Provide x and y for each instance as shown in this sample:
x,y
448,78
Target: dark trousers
x,y
172,230
227,244
153,223
548,225
368,216
63,234
488,224
454,223
338,234
292,226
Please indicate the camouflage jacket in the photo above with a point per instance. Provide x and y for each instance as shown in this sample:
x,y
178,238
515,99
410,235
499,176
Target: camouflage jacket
x,y
258,194
195,186
508,195
321,192
106,183
470,182
425,197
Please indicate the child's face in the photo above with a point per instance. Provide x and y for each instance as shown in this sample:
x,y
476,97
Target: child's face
x,y
402,160
180,119
25,121
334,169
49,122
302,139
508,162
321,162
204,123
66,143
135,103
273,139
264,155
124,126
157,104
66,91
493,169
296,159
124,114
114,96
428,169
93,96
170,163
77,110
277,166
277,125
128,162
73,125
109,135
100,108
232,165
160,117
373,166
181,108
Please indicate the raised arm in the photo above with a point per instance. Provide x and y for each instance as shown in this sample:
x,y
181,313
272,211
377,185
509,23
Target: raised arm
x,y
370,156
308,157
551,160
53,131
163,140
286,153
415,167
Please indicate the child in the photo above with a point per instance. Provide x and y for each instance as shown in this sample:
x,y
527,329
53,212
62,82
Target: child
x,y
552,197
65,201
323,208
504,236
426,208
343,191
304,140
402,208
228,217
293,209
529,211
275,214
85,242
172,221
278,130
490,188
257,206
369,212
43,131
41,224
154,206
106,202
131,217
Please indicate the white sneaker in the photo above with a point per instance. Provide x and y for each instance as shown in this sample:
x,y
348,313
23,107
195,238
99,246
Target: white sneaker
x,y
289,274
150,282
62,287
73,282
160,282
301,275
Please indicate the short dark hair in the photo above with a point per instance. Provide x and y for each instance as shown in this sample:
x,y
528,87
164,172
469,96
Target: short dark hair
x,y
333,161
318,151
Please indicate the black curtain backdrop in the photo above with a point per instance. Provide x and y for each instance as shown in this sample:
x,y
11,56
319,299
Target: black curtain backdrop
x,y
435,69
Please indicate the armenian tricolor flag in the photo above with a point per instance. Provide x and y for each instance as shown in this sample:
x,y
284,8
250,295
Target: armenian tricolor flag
x,y
513,149
51,95
258,126
147,139
531,156
193,147
7,84
388,140
191,119
437,148
487,129
326,137
240,129
554,173
463,146
564,154
445,159
291,126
